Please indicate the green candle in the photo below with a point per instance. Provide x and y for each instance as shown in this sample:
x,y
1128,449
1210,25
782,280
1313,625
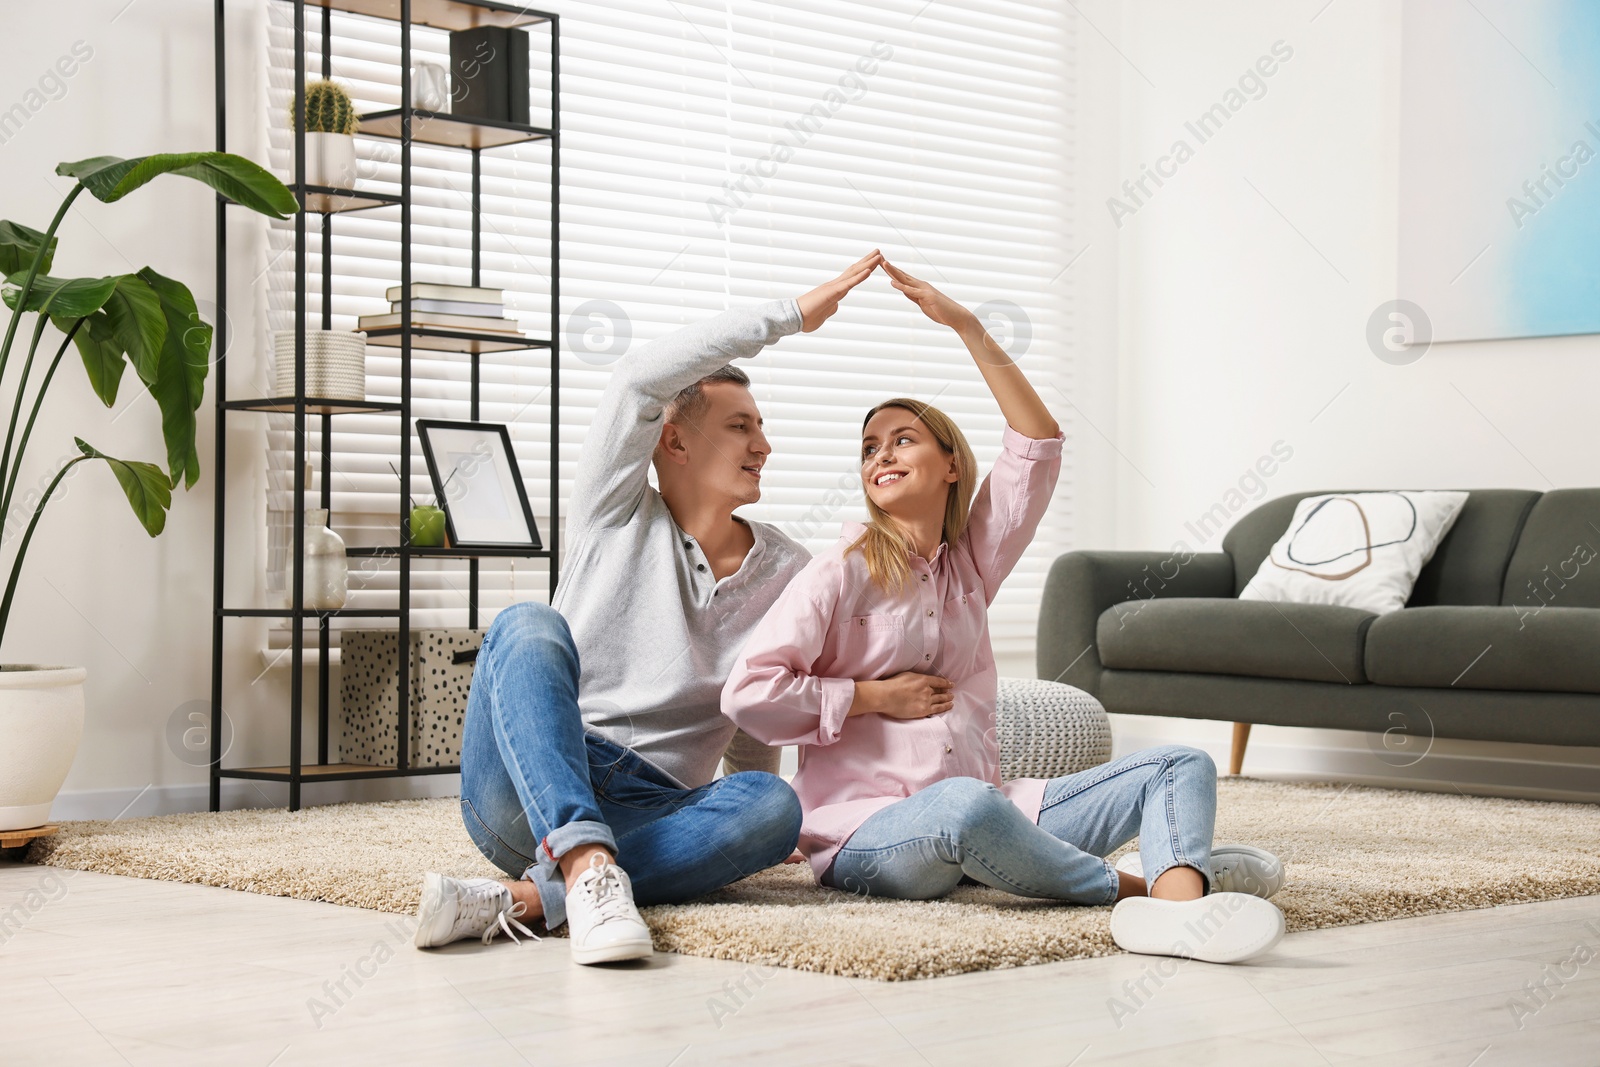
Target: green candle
x,y
427,526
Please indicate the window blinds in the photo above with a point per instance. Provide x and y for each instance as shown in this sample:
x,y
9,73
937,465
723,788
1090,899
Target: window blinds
x,y
716,154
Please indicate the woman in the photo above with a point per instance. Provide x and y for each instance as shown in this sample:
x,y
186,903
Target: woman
x,y
876,661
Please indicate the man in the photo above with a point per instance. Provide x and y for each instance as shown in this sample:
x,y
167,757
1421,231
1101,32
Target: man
x,y
594,726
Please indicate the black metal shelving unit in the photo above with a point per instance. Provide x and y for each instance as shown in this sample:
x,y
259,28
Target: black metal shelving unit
x,y
407,125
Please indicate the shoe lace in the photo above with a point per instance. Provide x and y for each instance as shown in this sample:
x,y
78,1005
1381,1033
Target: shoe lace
x,y
504,920
608,891
484,906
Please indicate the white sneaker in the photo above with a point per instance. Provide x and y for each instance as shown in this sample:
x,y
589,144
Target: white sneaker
x,y
1220,928
454,908
605,925
1234,869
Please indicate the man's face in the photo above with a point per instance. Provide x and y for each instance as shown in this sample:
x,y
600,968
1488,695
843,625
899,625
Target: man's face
x,y
724,453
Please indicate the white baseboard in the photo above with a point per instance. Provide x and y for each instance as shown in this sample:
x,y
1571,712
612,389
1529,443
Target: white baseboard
x,y
241,793
1477,768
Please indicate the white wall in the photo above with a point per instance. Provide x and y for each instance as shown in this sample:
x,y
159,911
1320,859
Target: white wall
x,y
1243,289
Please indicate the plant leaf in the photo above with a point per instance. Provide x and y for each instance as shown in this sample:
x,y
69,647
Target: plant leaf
x,y
138,324
180,381
102,355
19,244
71,298
85,168
145,484
109,178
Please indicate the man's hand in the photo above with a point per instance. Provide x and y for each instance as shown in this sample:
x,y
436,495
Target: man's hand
x,y
821,302
934,304
907,695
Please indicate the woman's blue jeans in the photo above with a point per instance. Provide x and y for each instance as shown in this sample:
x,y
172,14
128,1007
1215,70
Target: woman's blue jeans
x,y
535,784
964,829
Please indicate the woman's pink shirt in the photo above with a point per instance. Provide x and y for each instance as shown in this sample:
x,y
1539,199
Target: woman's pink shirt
x,y
795,679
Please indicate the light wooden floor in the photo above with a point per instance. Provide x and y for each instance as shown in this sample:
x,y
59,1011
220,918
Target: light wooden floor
x,y
97,969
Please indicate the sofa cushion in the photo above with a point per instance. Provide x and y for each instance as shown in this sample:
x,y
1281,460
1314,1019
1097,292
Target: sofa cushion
x,y
1392,714
1466,568
1551,650
1557,561
1357,550
1309,642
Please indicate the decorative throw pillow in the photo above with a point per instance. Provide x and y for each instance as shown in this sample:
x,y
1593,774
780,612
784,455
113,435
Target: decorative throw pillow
x,y
1357,550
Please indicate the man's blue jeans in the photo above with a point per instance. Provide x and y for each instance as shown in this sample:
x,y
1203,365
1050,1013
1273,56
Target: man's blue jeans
x,y
963,829
535,784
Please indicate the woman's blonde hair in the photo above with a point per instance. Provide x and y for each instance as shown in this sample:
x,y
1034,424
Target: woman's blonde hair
x,y
884,545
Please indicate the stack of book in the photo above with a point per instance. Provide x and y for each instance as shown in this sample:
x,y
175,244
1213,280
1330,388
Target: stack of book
x,y
447,307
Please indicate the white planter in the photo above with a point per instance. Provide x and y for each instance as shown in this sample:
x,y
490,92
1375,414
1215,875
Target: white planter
x,y
331,160
41,723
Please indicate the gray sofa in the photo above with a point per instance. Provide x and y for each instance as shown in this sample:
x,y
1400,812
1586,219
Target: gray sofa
x,y
1499,641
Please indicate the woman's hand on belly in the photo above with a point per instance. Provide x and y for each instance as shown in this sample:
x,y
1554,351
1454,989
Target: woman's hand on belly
x,y
907,695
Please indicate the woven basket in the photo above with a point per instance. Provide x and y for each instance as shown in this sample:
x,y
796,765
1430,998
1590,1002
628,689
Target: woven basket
x,y
336,364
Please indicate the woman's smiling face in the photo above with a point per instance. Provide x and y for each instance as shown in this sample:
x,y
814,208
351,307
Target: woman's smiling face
x,y
904,469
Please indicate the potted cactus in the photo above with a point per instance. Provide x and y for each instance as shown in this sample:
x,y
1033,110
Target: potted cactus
x,y
330,122
141,319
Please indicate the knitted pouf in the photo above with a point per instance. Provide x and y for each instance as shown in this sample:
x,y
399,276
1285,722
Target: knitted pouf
x,y
1047,729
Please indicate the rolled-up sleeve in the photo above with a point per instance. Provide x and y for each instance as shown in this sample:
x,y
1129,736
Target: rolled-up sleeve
x,y
772,693
1010,504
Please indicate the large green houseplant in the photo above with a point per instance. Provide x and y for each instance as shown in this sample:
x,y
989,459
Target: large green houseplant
x,y
142,318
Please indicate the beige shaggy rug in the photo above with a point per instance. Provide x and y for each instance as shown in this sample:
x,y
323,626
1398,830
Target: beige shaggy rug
x,y
1353,855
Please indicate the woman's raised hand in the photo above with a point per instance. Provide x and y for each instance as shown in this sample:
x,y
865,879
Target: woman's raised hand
x,y
934,304
821,302
1018,400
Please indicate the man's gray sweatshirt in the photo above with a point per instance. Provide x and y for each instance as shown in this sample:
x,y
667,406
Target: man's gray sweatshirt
x,y
656,633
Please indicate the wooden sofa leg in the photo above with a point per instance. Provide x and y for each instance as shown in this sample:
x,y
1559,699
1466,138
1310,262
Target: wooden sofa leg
x,y
1241,737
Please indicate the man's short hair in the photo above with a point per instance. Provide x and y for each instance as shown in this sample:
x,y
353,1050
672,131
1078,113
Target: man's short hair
x,y
689,406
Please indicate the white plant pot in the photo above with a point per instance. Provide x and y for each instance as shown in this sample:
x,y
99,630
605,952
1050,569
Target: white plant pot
x,y
331,160
41,723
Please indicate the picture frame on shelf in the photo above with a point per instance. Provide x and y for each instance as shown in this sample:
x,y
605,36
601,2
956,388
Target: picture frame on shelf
x,y
478,484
